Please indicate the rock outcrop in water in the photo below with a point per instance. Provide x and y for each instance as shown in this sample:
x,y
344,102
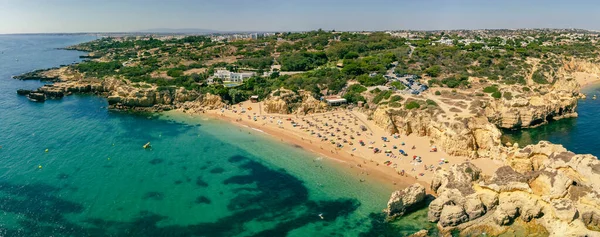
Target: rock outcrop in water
x,y
559,101
120,94
541,185
402,202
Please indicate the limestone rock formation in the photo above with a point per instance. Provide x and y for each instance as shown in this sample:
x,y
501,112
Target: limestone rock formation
x,y
202,103
280,101
559,102
420,233
542,184
403,201
310,105
283,101
471,137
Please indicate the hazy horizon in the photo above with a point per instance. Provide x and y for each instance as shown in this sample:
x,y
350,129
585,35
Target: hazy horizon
x,y
71,16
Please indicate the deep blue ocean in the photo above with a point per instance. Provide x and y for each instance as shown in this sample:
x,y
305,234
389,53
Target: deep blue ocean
x,y
201,178
579,135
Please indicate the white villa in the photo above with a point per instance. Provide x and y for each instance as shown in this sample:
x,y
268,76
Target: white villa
x,y
228,76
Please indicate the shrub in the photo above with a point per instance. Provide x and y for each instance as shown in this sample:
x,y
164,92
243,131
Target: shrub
x,y
433,82
412,105
490,89
382,95
398,85
497,94
356,88
438,93
539,78
367,80
174,72
507,95
431,102
456,81
526,89
395,105
353,94
396,98
433,71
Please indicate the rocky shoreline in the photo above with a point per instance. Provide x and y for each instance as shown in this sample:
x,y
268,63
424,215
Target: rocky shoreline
x,y
542,186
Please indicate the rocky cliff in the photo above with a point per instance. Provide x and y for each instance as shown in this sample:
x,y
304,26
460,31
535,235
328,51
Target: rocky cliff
x,y
202,103
283,101
310,105
552,103
127,95
121,94
471,137
542,186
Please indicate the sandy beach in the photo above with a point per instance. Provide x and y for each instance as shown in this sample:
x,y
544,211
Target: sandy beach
x,y
351,139
586,79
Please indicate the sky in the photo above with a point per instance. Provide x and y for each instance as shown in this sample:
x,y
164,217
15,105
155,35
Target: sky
x,y
67,16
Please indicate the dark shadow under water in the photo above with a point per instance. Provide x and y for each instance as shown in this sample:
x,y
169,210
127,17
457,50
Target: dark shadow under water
x,y
278,198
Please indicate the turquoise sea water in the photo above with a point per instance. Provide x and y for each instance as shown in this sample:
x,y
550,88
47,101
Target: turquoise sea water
x,y
579,135
201,177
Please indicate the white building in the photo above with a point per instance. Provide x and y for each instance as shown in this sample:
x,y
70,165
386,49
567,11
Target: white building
x,y
228,76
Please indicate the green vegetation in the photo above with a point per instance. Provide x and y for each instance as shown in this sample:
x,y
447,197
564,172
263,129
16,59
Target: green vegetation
x,y
381,96
302,61
430,102
174,72
318,55
507,95
456,81
398,85
497,95
433,71
98,69
490,89
396,98
367,80
539,78
412,105
353,94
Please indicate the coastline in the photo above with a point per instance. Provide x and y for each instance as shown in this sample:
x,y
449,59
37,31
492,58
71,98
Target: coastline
x,y
359,160
586,81
367,171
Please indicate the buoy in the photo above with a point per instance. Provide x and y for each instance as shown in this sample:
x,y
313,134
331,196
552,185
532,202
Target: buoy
x,y
39,166
113,144
108,158
46,149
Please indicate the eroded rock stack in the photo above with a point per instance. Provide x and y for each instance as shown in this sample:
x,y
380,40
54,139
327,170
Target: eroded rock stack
x,y
404,201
